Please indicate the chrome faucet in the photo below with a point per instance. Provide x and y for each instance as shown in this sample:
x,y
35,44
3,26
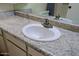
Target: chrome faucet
x,y
46,24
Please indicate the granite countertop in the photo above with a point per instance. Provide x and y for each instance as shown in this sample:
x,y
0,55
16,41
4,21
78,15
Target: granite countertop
x,y
67,44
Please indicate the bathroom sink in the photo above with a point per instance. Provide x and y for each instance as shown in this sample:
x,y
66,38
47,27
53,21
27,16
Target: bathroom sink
x,y
40,33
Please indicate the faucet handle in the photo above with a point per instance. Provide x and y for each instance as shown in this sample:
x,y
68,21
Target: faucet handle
x,y
46,21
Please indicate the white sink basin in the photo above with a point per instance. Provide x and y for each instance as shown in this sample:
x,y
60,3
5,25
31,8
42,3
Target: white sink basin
x,y
40,33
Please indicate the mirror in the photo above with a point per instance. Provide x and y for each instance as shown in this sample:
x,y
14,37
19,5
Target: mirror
x,y
67,12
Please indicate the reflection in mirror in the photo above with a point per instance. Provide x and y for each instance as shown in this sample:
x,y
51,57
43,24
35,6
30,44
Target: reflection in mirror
x,y
62,12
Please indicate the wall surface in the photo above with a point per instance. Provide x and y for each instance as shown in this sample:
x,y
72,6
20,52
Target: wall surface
x,y
61,9
73,13
36,7
6,7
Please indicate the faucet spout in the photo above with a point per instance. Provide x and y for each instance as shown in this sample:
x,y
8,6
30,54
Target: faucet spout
x,y
46,24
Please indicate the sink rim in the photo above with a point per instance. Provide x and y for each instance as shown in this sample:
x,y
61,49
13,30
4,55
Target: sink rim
x,y
56,32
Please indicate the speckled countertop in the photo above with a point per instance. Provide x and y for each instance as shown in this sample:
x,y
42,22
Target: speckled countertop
x,y
67,44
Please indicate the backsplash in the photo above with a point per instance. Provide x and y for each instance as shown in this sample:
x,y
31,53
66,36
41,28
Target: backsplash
x,y
71,27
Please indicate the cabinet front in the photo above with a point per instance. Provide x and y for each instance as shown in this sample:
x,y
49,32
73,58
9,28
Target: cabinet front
x,y
3,48
14,51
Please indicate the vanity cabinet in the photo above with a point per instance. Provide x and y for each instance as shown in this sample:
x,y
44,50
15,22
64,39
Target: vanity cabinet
x,y
18,47
14,50
15,46
3,49
2,46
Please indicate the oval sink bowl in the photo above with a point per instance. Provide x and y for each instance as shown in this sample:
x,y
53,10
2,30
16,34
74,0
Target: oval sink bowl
x,y
40,33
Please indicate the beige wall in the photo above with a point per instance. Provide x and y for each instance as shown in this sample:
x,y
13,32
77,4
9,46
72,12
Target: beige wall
x,y
73,13
6,7
61,9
